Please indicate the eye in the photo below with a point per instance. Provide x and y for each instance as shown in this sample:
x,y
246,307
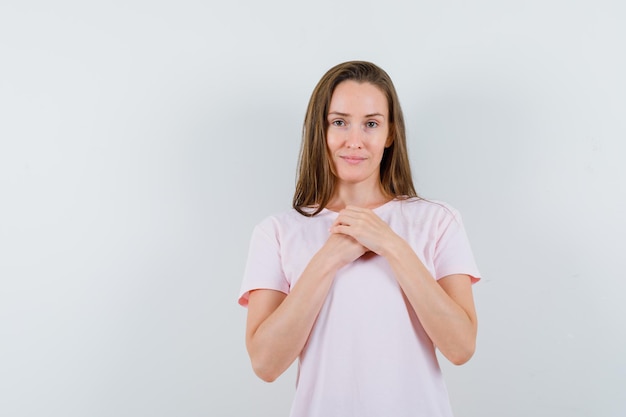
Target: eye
x,y
372,123
338,123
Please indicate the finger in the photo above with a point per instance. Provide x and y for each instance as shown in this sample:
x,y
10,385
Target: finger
x,y
346,215
343,230
339,229
344,219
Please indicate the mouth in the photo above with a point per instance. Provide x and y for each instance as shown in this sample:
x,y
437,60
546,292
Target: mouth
x,y
352,159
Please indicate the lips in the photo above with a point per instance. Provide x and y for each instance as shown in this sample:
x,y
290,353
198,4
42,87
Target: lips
x,y
353,159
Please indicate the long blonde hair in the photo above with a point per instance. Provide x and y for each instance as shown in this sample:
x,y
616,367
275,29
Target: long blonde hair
x,y
315,182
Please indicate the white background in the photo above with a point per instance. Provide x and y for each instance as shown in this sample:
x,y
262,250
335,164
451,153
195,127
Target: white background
x,y
141,141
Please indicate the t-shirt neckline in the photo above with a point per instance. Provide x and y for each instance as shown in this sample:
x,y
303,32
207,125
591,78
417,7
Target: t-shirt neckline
x,y
375,209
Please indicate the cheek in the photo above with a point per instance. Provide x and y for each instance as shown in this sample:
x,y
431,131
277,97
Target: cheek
x,y
332,143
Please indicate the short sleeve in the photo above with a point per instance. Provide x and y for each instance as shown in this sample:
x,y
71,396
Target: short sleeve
x,y
263,267
453,254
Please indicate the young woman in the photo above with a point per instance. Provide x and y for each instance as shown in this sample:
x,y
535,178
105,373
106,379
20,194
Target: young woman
x,y
362,280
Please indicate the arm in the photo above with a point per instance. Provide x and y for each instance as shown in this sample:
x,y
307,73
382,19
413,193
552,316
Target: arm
x,y
278,324
445,308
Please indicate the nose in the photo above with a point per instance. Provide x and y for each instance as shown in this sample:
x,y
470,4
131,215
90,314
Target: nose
x,y
354,138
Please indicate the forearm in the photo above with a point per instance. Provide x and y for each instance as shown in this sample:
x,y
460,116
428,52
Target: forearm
x,y
279,338
451,326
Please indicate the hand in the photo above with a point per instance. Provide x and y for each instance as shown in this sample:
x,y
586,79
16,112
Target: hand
x,y
365,227
343,248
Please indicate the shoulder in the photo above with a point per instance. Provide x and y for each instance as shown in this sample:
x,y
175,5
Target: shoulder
x,y
432,217
288,220
423,208
290,216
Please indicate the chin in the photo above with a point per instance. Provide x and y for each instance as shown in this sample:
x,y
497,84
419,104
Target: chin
x,y
352,180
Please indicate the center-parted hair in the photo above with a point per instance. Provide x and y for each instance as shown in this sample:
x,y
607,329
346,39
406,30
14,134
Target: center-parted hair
x,y
316,182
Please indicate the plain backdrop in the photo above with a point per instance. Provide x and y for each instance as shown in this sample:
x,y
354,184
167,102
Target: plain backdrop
x,y
141,141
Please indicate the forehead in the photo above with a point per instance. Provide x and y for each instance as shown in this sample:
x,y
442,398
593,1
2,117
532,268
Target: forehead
x,y
354,97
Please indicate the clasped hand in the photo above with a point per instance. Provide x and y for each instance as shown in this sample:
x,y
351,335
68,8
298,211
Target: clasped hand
x,y
366,228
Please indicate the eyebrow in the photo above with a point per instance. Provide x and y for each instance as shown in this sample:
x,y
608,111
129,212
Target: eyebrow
x,y
338,113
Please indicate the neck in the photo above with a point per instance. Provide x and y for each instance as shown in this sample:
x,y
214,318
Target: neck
x,y
357,195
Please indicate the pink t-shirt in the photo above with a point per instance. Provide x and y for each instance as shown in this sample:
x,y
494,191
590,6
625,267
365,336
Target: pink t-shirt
x,y
367,354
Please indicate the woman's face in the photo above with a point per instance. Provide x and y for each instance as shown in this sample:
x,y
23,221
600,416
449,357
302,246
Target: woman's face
x,y
358,131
